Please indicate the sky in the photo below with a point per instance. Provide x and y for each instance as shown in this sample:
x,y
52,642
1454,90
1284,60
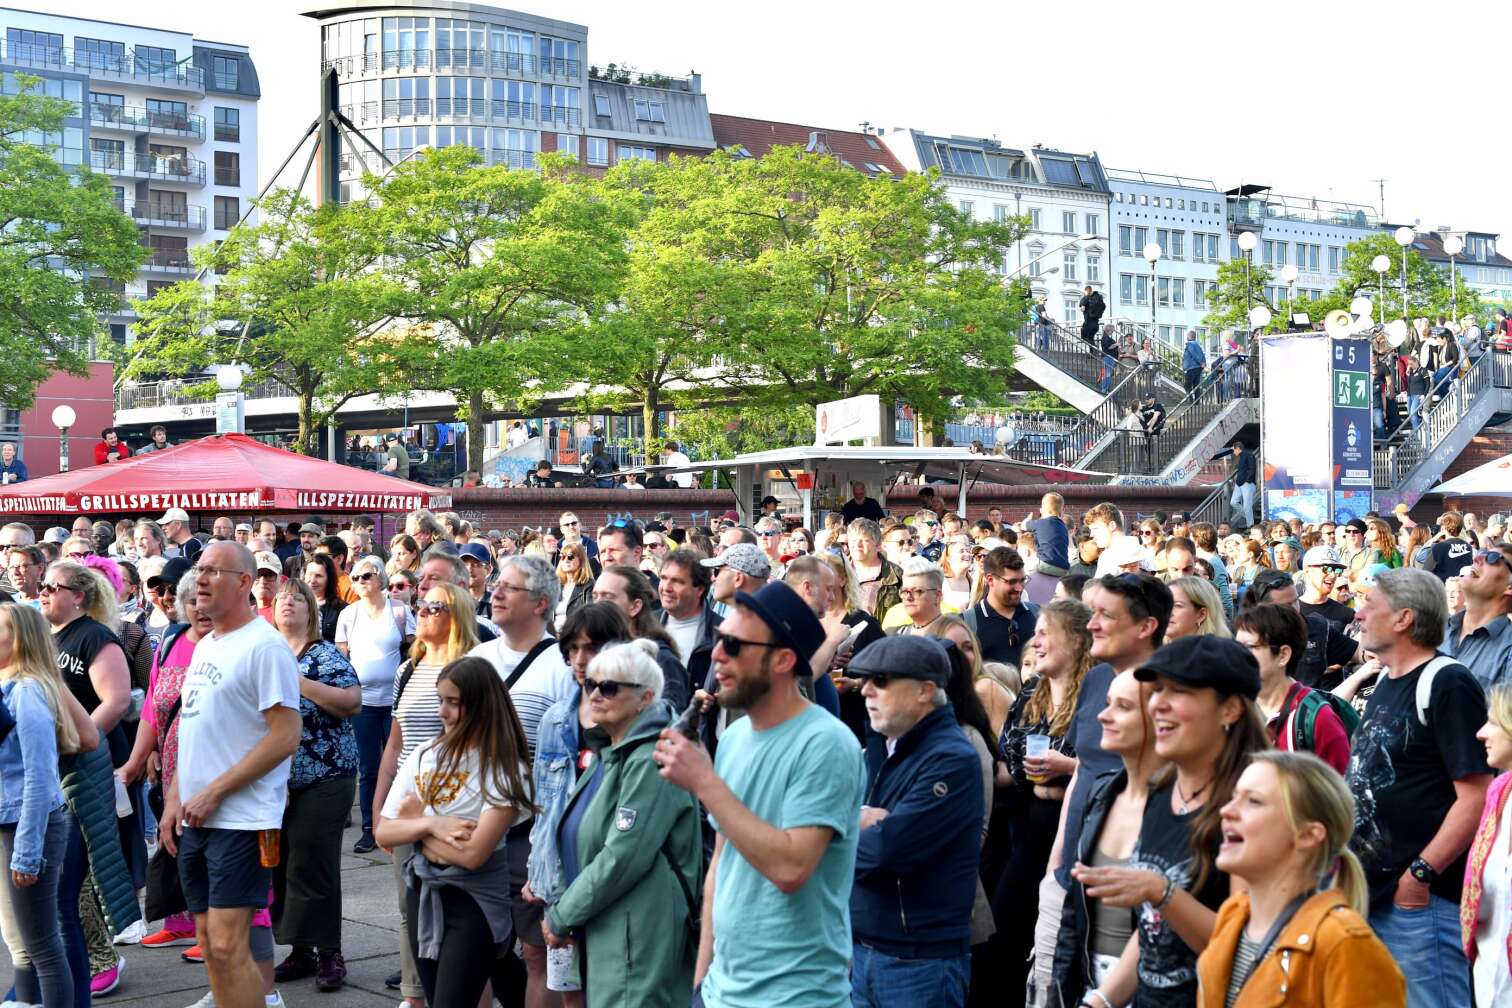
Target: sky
x,y
1319,99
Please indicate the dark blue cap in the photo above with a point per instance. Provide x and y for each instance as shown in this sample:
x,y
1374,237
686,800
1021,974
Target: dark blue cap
x,y
792,622
1203,660
476,551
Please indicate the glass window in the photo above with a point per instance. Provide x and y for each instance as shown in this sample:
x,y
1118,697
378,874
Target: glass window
x,y
568,143
1034,219
598,150
1094,269
227,124
1125,288
1068,221
34,46
1333,259
227,168
1178,244
1126,239
624,152
968,207
227,212
1094,223
967,161
600,105
1068,265
647,110
1141,289
99,53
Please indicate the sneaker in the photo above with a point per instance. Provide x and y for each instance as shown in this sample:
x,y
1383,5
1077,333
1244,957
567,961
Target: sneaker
x,y
193,954
168,938
132,935
208,1001
276,1001
297,965
330,973
364,843
394,981
104,982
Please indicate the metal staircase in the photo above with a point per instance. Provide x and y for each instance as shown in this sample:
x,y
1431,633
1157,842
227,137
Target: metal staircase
x,y
1058,360
1410,464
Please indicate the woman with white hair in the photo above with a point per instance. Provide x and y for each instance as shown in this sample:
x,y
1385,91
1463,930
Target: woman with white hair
x,y
630,845
374,633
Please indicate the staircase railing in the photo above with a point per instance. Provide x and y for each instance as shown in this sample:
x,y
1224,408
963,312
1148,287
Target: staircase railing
x,y
1067,447
1215,506
1134,453
1394,461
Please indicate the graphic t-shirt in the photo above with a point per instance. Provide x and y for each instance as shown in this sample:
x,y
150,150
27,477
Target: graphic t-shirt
x,y
455,793
1167,966
79,644
777,949
546,680
232,680
1337,613
1450,557
1402,774
373,645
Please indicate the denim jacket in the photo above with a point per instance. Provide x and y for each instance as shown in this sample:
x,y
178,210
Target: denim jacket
x,y
554,775
29,785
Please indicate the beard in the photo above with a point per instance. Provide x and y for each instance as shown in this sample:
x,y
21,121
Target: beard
x,y
746,691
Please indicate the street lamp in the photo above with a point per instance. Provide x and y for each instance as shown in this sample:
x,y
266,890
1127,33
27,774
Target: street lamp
x,y
1259,317
1453,245
1289,274
1152,256
1246,243
1405,236
1051,252
1381,264
63,417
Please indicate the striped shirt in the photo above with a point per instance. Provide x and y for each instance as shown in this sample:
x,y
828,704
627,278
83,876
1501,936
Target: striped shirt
x,y
1246,958
547,680
418,710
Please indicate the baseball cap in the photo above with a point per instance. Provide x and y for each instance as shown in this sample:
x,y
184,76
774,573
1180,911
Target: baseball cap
x,y
475,551
312,527
174,514
1322,556
1203,660
903,657
731,515
57,534
267,560
769,499
792,622
744,557
244,527
172,570
1268,578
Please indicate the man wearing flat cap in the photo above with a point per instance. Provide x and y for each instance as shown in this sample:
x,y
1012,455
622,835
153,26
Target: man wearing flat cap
x,y
921,830
785,798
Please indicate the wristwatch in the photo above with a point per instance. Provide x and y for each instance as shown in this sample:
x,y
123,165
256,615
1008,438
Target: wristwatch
x,y
1423,871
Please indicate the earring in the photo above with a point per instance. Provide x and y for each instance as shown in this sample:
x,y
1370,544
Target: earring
x,y
1227,728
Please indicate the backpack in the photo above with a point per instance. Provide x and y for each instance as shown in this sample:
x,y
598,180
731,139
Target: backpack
x,y
1306,711
1424,691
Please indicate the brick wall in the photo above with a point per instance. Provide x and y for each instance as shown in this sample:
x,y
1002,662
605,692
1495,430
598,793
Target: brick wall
x,y
1487,446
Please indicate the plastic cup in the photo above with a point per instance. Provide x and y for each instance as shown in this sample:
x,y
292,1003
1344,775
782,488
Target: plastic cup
x,y
1036,747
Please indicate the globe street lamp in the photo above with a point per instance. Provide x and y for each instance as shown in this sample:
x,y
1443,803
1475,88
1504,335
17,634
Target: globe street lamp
x,y
1152,256
1259,317
63,417
1381,264
1405,236
1289,274
1453,245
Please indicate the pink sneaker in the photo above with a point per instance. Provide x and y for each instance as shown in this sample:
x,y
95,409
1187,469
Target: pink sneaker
x,y
107,981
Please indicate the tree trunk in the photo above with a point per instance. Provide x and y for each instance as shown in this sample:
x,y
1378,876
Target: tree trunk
x,y
475,431
650,406
304,443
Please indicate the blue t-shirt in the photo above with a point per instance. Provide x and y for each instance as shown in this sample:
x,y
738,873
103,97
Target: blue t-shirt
x,y
771,948
1052,540
1093,762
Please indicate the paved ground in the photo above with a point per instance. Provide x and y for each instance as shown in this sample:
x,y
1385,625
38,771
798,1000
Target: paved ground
x,y
158,978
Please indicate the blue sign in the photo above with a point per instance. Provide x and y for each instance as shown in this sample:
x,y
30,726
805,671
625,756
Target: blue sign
x,y
1353,481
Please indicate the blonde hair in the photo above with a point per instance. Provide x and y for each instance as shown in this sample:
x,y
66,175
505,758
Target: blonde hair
x,y
1499,705
1006,676
1201,593
464,624
34,658
847,577
99,602
1070,618
584,573
1313,792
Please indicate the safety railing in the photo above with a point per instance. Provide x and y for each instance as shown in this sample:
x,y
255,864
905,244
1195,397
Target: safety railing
x,y
1454,399
1067,446
142,120
1215,506
1135,453
125,65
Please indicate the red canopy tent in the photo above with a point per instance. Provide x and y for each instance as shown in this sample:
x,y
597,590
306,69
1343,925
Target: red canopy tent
x,y
224,472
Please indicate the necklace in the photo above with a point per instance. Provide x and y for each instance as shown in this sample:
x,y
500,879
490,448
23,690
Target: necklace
x,y
1185,801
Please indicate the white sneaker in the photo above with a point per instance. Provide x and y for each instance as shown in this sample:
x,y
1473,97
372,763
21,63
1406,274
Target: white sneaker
x,y
133,935
277,1002
208,1001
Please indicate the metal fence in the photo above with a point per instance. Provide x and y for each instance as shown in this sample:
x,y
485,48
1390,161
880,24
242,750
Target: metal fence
x,y
1456,396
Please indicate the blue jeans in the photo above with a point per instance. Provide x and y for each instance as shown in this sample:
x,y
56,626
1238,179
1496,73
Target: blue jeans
x,y
1110,365
1441,374
1426,945
29,919
879,980
1414,416
372,727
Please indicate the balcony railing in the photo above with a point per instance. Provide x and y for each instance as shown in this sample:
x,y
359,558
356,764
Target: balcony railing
x,y
142,120
127,66
187,170
164,215
561,114
1395,460
164,260
155,395
479,60
512,158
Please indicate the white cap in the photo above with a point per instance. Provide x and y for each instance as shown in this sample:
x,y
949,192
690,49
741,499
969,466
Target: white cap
x,y
1323,556
174,515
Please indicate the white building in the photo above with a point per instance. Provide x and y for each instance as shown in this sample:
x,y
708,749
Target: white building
x,y
1305,232
171,119
1064,195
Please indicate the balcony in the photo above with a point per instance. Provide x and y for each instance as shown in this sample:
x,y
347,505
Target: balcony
x,y
182,76
511,157
562,115
155,395
128,164
135,119
172,261
165,216
481,61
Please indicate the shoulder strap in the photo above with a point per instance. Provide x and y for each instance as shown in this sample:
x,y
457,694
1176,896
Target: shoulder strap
x,y
1425,685
694,920
397,610
406,672
530,656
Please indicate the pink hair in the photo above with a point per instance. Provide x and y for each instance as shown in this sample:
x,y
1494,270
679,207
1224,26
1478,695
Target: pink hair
x,y
109,568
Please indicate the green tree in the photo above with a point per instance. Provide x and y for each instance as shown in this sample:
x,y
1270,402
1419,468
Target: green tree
x,y
66,249
1230,302
1428,291
301,305
793,279
507,266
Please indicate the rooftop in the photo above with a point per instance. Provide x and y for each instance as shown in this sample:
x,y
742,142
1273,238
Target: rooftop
x,y
1156,178
863,151
987,158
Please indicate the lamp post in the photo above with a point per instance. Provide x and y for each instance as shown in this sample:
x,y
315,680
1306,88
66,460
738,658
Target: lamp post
x,y
230,402
63,417
1453,245
1152,256
1259,317
1381,264
1405,236
1289,274
1246,243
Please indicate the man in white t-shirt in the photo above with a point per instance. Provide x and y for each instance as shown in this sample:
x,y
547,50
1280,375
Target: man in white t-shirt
x,y
677,457
524,596
239,727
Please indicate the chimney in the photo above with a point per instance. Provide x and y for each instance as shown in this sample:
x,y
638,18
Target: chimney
x,y
695,81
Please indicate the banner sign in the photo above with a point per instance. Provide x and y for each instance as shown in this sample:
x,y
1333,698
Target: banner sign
x,y
856,418
1294,412
256,499
1353,451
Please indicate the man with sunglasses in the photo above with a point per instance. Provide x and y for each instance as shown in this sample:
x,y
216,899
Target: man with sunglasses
x,y
769,532
1321,568
1479,636
1328,650
1002,620
785,798
572,532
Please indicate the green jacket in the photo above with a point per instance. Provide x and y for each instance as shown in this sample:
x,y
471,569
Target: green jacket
x,y
889,589
625,897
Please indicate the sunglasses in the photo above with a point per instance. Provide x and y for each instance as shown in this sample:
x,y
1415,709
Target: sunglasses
x,y
769,535
400,586
1491,557
733,644
48,587
607,688
364,576
430,608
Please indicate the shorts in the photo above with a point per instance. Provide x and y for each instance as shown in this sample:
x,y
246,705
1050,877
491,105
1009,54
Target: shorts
x,y
527,917
222,868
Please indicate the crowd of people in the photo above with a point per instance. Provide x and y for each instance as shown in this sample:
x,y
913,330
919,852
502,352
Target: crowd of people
x,y
898,760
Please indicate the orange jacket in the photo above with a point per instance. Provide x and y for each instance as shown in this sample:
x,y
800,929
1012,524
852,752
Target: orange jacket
x,y
1326,955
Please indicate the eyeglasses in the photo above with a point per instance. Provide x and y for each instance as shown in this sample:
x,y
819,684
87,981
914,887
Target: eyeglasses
x,y
1146,532
733,644
364,576
212,571
431,608
607,688
79,555
48,587
909,594
504,586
